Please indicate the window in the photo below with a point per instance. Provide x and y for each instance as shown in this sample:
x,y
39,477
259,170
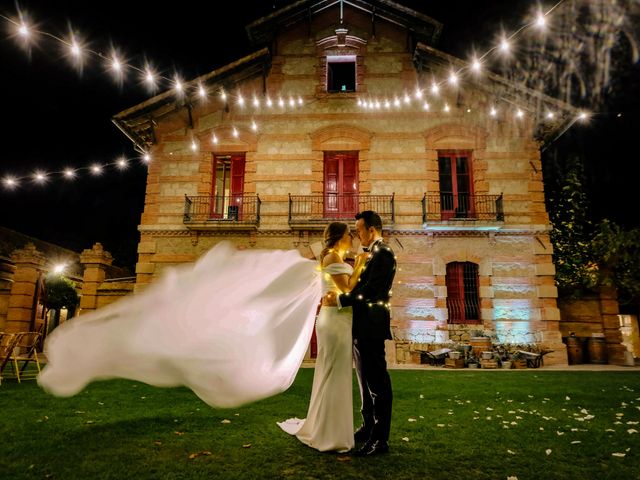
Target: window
x,y
341,73
340,184
228,187
456,194
463,302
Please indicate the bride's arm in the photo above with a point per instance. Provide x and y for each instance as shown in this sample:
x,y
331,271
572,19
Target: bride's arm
x,y
357,270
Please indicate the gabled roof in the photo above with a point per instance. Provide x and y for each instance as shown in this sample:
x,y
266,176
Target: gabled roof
x,y
421,27
427,58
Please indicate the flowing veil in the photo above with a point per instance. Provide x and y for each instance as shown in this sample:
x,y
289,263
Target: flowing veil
x,y
233,327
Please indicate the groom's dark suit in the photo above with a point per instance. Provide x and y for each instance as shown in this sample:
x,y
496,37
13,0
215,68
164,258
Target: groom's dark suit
x,y
371,327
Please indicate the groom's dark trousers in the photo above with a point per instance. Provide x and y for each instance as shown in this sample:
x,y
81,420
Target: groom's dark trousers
x,y
371,327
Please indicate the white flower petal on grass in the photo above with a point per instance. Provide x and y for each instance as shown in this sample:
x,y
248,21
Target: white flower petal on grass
x,y
632,430
518,417
225,421
421,416
489,418
617,423
618,454
441,425
559,433
584,410
541,429
631,423
505,426
412,420
567,398
512,412
610,430
575,442
405,439
511,452
619,414
421,396
490,409
548,451
513,477
514,423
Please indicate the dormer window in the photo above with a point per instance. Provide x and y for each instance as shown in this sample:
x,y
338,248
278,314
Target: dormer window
x,y
341,73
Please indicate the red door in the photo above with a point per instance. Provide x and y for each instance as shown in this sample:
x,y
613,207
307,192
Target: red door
x,y
456,195
227,187
340,184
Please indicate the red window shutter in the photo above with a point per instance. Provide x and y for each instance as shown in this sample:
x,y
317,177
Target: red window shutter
x,y
455,292
237,187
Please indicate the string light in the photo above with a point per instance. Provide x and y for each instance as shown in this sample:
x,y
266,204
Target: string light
x,y
151,78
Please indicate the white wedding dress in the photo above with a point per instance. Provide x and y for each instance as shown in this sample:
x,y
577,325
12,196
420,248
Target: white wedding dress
x,y
329,422
234,327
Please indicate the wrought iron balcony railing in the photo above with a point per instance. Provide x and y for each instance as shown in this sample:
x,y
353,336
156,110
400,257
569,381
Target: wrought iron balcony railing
x,y
321,208
462,206
237,209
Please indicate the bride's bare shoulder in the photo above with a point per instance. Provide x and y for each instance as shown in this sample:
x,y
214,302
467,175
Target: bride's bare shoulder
x,y
330,258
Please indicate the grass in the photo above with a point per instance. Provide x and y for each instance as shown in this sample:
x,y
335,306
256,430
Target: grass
x,y
446,424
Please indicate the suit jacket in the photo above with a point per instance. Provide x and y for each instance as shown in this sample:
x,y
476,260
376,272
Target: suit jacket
x,y
370,297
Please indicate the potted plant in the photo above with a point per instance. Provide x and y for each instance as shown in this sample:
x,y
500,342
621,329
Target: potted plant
x,y
472,361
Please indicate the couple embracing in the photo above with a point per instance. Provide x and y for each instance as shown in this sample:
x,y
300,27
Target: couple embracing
x,y
352,326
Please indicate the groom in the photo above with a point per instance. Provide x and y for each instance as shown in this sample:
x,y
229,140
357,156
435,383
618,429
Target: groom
x,y
371,327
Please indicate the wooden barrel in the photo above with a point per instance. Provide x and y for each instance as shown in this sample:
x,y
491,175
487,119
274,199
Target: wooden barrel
x,y
574,350
597,348
479,345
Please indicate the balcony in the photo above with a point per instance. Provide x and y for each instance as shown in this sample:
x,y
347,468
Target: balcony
x,y
315,211
217,212
444,207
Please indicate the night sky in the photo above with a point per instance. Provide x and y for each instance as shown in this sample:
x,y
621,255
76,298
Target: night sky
x,y
54,116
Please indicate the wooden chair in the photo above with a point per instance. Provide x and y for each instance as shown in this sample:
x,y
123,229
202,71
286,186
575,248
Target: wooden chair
x,y
18,351
8,343
26,351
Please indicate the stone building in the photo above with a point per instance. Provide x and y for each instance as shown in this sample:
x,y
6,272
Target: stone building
x,y
334,112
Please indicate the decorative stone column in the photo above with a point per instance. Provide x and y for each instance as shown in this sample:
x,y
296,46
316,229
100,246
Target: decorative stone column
x,y
29,263
7,269
95,263
611,327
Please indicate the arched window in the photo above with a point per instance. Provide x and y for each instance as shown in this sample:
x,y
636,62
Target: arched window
x,y
463,300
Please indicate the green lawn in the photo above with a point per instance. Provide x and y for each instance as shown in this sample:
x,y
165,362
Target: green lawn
x,y
446,425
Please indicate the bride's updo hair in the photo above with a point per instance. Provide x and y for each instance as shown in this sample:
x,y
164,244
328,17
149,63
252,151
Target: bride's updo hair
x,y
332,235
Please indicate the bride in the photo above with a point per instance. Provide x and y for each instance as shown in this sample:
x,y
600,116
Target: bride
x,y
329,422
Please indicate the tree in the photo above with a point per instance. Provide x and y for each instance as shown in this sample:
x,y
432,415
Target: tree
x,y
617,251
576,270
60,292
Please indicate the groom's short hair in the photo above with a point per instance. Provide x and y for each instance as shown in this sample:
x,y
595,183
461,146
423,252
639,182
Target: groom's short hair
x,y
371,219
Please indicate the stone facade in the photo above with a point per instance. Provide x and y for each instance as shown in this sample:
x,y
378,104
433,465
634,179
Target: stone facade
x,y
398,152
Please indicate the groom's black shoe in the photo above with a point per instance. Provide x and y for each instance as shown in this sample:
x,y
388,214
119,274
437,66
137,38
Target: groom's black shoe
x,y
362,434
376,447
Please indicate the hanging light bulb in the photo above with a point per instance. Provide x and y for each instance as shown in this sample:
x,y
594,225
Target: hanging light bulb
x,y
96,169
234,132
214,139
201,91
69,173
121,163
